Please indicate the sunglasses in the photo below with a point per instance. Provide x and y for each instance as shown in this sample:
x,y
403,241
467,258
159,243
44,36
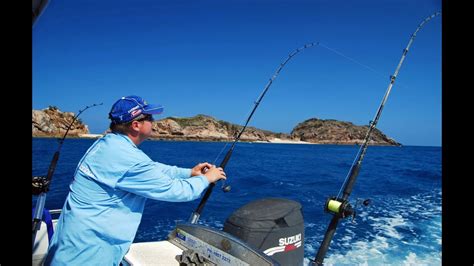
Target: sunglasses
x,y
146,118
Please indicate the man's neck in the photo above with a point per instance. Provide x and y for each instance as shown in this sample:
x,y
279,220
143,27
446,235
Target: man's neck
x,y
135,138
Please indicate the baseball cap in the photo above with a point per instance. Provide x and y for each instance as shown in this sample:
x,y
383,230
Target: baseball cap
x,y
128,108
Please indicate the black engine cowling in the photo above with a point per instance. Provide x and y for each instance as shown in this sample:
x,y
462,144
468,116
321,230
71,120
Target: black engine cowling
x,y
274,226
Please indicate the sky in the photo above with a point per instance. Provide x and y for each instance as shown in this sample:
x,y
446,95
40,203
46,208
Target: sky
x,y
215,58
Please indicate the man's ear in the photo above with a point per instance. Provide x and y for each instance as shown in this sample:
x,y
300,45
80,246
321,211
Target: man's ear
x,y
135,126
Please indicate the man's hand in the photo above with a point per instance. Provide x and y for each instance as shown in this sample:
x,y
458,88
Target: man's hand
x,y
211,172
215,173
201,168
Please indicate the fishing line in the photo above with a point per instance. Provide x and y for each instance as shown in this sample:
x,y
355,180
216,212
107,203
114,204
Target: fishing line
x,y
347,176
222,150
384,76
227,143
351,59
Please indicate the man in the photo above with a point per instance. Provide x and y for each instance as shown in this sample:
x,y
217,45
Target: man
x,y
112,181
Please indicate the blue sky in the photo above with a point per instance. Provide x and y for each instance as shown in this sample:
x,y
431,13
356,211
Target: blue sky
x,y
215,58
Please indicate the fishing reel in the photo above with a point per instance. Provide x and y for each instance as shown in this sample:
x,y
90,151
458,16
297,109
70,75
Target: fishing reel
x,y
340,207
343,208
225,188
40,184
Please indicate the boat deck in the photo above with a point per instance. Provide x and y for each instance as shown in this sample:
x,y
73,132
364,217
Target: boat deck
x,y
41,244
152,253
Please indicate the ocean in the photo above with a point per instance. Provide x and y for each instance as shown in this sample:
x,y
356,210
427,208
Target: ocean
x,y
401,226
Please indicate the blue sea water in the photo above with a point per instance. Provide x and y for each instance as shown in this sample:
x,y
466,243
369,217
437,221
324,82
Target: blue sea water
x,y
401,226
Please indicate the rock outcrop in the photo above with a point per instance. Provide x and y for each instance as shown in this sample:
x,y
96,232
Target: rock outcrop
x,y
51,122
331,131
207,128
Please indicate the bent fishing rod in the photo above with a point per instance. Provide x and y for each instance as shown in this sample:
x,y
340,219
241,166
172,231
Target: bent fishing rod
x,y
40,184
197,213
338,206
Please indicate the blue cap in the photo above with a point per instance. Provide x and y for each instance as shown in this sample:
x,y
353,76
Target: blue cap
x,y
128,108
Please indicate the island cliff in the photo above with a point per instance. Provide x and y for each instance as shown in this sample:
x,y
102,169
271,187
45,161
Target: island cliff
x,y
51,122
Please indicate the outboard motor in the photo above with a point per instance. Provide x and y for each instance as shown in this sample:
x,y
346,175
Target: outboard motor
x,y
274,226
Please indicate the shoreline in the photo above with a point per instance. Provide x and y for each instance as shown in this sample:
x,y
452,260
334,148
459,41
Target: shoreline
x,y
274,140
283,141
91,136
271,141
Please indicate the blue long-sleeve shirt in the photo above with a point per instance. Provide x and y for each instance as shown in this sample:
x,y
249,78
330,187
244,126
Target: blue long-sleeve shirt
x,y
105,204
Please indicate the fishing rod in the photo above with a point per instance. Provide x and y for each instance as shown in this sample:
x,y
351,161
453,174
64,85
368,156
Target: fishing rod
x,y
40,184
37,9
226,188
338,206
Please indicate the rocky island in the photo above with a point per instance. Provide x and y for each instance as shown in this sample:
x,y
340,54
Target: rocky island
x,y
51,122
331,131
